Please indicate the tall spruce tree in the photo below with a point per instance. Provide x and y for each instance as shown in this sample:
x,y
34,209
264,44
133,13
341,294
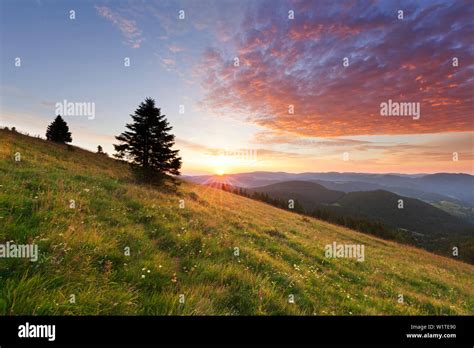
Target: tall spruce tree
x,y
147,142
58,131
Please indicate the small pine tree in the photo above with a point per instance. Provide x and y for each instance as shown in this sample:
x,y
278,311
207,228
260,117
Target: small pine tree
x,y
58,131
99,149
147,143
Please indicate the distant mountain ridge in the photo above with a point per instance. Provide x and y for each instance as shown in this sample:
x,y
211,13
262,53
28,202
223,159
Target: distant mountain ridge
x,y
307,193
432,188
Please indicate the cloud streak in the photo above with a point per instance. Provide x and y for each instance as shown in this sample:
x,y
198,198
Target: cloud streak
x,y
299,63
128,28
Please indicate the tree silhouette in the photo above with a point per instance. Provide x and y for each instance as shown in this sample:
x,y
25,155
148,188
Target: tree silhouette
x,y
58,131
147,142
99,149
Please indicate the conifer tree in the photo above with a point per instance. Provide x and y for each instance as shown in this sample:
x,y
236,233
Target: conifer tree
x,y
58,131
147,142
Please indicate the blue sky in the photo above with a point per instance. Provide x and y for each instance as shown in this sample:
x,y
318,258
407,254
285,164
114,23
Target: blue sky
x,y
190,62
83,60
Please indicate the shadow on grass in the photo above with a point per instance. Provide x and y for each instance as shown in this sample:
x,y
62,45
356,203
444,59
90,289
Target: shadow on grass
x,y
155,179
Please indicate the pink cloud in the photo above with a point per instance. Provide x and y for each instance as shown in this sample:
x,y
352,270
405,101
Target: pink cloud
x,y
127,27
168,61
300,64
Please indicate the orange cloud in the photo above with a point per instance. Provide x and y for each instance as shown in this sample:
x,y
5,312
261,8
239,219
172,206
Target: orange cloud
x,y
299,65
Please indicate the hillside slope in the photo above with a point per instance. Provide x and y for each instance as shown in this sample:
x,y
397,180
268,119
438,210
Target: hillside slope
x,y
426,225
306,193
190,251
416,215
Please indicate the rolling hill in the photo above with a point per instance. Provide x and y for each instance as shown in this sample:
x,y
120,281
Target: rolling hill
x,y
430,224
308,194
430,227
356,186
189,249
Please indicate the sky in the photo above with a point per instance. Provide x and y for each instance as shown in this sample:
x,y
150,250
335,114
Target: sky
x,y
295,86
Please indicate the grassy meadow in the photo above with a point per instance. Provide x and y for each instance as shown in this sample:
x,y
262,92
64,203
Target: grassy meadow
x,y
190,250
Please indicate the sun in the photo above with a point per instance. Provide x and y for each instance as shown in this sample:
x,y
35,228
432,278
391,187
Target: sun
x,y
220,165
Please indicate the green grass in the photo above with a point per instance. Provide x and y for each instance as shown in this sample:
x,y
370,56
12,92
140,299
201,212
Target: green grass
x,y
190,251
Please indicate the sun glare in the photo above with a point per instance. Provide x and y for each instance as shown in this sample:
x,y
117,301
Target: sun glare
x,y
220,172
